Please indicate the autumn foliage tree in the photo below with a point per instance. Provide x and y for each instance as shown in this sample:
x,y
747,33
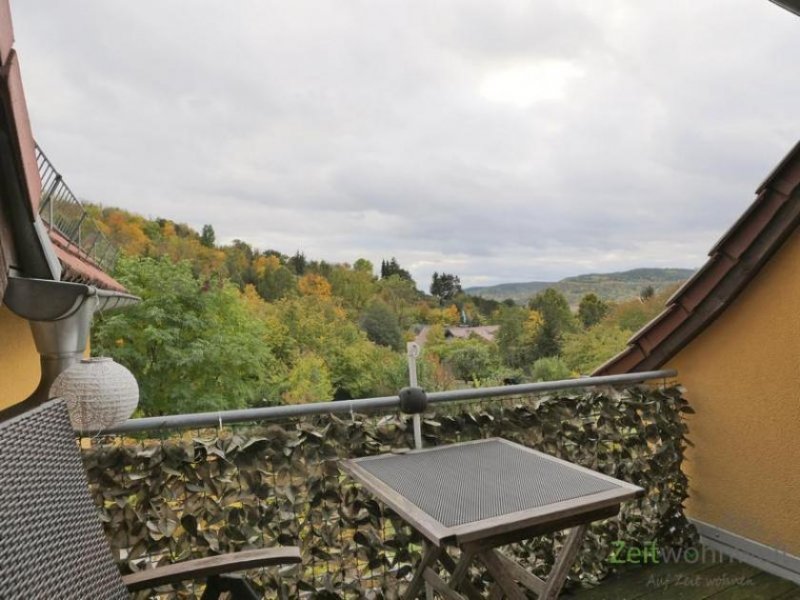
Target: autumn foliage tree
x,y
314,285
229,325
191,347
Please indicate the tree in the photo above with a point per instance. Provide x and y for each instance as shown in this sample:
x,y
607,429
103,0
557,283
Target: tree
x,y
550,368
354,286
125,230
647,293
362,265
635,314
557,320
591,310
584,351
298,263
553,307
208,237
318,325
239,262
309,381
392,268
319,267
191,347
450,315
314,285
513,340
435,340
445,287
401,295
276,284
485,306
381,325
471,359
265,264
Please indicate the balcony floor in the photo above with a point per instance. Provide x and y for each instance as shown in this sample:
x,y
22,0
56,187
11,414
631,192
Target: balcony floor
x,y
684,581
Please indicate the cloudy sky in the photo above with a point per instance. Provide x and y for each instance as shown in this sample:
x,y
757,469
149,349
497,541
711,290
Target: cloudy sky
x,y
500,140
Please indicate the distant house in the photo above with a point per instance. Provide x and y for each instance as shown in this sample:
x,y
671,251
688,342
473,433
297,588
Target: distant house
x,y
733,334
48,269
486,332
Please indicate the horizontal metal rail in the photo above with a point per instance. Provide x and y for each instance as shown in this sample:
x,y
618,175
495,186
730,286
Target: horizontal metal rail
x,y
272,413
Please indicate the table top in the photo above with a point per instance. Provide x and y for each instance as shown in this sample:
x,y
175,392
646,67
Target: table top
x,y
473,490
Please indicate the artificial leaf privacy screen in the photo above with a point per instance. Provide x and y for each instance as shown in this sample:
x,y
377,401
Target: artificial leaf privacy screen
x,y
170,496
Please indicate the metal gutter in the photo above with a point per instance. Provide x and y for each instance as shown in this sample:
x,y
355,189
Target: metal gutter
x,y
60,314
33,253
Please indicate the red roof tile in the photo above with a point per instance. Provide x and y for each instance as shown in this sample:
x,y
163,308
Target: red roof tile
x,y
22,128
79,268
6,31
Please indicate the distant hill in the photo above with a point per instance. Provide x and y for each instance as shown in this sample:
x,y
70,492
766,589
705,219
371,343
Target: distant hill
x,y
622,285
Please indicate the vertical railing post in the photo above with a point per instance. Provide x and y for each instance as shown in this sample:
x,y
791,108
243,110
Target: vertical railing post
x,y
101,258
49,200
412,350
84,214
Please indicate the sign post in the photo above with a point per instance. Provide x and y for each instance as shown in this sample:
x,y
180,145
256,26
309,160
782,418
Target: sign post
x,y
412,350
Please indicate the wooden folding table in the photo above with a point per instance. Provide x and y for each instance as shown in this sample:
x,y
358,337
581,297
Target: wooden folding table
x,y
484,494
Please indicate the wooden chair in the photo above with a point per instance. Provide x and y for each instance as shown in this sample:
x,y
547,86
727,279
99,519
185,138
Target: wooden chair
x,y
51,542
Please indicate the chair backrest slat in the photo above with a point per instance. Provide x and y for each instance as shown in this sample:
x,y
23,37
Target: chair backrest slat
x,y
51,542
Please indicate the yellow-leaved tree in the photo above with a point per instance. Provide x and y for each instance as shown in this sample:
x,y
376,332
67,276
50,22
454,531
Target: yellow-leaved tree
x,y
314,285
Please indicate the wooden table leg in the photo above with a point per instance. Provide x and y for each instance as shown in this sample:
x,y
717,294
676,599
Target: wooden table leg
x,y
428,589
429,559
495,592
458,574
529,580
428,586
501,575
505,572
462,568
564,560
440,586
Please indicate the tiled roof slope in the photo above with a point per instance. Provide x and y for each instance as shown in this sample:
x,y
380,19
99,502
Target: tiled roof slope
x,y
79,268
14,95
76,265
732,264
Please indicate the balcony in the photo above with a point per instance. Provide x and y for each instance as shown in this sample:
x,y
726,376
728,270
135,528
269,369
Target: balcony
x,y
67,220
171,488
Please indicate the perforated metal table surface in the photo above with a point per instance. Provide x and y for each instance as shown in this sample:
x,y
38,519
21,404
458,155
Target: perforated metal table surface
x,y
472,490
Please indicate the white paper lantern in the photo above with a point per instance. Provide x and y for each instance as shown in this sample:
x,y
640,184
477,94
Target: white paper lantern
x,y
99,393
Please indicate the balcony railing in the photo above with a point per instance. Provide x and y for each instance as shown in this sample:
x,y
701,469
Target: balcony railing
x,y
61,210
190,485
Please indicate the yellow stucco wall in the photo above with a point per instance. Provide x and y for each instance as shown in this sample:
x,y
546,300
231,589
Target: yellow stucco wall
x,y
19,361
742,376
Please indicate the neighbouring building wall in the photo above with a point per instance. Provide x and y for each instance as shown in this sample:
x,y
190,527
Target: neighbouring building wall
x,y
742,377
19,361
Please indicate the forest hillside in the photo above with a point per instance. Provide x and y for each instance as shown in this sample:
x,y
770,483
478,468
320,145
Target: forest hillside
x,y
223,326
611,287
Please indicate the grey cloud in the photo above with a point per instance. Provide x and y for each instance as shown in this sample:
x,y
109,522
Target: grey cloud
x,y
630,134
